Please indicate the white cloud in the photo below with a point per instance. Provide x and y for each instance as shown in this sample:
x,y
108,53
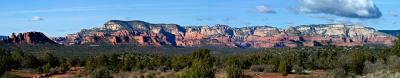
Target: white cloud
x,y
393,13
264,9
204,19
36,18
344,8
57,10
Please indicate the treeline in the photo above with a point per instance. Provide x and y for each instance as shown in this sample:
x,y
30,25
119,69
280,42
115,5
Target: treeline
x,y
44,63
338,61
93,50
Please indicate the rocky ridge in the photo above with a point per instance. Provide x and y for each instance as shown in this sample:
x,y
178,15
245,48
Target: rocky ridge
x,y
143,33
28,38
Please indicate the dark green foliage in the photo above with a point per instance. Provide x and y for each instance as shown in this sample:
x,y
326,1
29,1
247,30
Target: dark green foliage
x,y
199,69
396,47
151,75
26,60
343,61
9,75
64,67
234,71
47,58
180,62
233,68
284,68
201,54
101,72
201,66
6,62
46,68
95,62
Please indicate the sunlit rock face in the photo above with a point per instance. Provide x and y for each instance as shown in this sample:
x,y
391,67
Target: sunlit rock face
x,y
147,34
28,38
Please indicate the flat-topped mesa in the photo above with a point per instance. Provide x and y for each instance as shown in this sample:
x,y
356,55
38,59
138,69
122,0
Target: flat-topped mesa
x,y
336,30
143,33
29,38
119,25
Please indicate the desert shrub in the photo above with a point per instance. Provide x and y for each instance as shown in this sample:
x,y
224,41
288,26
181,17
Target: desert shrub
x,y
9,75
180,62
394,63
46,68
199,69
262,68
381,74
6,61
101,73
95,62
201,66
25,60
395,49
233,71
284,68
64,67
371,67
150,75
47,58
142,76
233,68
337,73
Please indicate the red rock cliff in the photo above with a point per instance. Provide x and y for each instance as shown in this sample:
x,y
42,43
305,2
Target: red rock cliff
x,y
28,38
142,33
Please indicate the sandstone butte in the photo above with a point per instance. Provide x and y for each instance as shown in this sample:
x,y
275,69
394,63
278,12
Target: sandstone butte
x,y
28,38
142,33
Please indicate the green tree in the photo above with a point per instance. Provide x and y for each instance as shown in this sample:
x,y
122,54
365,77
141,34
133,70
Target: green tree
x,y
101,72
199,69
6,61
233,68
396,47
201,54
180,62
95,62
201,65
46,68
26,60
64,67
284,68
49,58
9,75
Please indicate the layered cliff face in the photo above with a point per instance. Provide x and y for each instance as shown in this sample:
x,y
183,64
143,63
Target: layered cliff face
x,y
28,38
142,33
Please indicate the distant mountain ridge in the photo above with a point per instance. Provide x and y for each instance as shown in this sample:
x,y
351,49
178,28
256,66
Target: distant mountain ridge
x,y
391,32
143,33
3,37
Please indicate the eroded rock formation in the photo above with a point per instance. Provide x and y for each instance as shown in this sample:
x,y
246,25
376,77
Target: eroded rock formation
x,y
28,38
142,33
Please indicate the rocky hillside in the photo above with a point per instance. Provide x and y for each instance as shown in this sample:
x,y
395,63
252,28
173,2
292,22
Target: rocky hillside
x,y
143,33
28,38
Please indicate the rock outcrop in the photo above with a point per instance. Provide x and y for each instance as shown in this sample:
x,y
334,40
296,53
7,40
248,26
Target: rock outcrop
x,y
142,33
28,38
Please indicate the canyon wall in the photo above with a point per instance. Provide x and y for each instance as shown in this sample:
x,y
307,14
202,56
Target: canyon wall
x,y
136,32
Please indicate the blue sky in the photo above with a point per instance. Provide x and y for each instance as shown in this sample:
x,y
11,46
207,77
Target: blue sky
x,y
61,17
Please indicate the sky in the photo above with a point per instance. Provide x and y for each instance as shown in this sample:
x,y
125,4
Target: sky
x,y
61,17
